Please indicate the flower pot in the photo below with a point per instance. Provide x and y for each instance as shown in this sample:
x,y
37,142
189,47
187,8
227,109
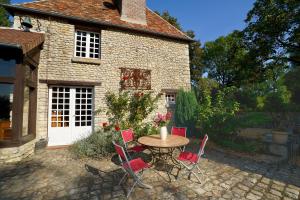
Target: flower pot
x,y
280,137
163,133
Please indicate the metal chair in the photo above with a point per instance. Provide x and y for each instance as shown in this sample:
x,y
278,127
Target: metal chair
x,y
180,131
190,160
133,168
128,137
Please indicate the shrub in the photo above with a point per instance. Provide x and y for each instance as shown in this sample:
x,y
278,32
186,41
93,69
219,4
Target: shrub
x,y
97,145
216,113
127,110
186,109
241,145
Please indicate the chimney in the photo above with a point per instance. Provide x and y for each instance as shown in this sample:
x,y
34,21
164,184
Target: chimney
x,y
133,11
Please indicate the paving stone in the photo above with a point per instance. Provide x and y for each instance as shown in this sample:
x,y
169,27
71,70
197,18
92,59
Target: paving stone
x,y
57,175
252,196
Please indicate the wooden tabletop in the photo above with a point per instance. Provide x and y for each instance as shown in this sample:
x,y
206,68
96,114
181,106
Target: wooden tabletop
x,y
172,141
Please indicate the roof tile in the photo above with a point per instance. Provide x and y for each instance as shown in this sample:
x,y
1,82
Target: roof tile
x,y
25,40
97,11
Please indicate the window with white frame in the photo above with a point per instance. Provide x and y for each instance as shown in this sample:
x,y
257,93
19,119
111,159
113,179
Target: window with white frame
x,y
87,44
170,99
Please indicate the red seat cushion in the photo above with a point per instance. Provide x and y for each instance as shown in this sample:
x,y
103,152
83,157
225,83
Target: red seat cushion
x,y
188,156
137,148
136,165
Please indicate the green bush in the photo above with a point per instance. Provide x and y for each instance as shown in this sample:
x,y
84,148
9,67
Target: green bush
x,y
216,113
241,145
186,110
97,145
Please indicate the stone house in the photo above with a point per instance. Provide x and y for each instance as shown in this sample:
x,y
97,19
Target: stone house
x,y
88,47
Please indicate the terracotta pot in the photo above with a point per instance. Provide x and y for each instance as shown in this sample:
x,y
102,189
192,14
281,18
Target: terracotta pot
x,y
163,133
280,137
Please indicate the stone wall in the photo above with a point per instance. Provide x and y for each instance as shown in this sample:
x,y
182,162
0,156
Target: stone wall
x,y
168,61
15,154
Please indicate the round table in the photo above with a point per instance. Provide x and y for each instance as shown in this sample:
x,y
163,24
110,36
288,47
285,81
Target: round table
x,y
157,147
172,141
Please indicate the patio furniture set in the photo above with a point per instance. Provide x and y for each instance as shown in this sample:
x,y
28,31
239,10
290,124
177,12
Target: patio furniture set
x,y
161,150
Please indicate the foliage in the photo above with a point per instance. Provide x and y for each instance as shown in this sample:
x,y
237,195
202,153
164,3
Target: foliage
x,y
97,145
196,56
117,106
186,109
127,110
241,145
253,119
272,28
216,112
227,61
140,106
162,120
292,81
4,16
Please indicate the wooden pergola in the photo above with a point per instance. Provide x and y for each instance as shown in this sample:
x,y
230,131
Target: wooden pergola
x,y
22,51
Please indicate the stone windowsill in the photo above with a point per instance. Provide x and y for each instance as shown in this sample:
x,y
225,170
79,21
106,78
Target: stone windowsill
x,y
86,60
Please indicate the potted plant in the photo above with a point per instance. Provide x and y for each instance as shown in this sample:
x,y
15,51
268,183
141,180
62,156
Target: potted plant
x,y
162,121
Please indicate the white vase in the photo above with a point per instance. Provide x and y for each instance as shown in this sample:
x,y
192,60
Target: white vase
x,y
163,133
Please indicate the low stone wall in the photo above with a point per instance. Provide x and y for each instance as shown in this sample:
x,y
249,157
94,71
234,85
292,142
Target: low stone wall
x,y
254,133
15,154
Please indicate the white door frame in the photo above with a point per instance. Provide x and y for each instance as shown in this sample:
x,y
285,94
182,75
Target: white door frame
x,y
58,136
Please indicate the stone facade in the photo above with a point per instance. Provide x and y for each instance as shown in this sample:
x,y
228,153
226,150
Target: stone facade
x,y
168,61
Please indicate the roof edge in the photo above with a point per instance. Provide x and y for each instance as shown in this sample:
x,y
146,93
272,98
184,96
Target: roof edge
x,y
11,8
183,33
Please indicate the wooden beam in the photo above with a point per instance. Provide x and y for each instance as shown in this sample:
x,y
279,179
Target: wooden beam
x,y
7,80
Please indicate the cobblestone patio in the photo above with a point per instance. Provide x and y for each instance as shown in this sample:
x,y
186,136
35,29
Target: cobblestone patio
x,y
54,174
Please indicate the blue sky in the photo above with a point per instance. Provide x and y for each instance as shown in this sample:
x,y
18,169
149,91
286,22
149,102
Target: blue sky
x,y
208,18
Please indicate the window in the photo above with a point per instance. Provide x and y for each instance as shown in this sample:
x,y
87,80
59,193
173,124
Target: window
x,y
170,99
87,44
7,76
6,100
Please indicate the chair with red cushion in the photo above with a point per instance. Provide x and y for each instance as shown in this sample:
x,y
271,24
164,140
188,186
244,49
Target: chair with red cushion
x,y
128,137
133,168
179,131
190,160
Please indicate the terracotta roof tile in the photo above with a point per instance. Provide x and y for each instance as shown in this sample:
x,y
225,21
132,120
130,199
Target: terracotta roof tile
x,y
24,40
97,11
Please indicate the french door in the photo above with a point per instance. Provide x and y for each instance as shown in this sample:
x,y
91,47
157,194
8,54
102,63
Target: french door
x,y
70,114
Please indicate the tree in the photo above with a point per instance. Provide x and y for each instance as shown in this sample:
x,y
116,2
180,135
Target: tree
x,y
4,16
195,51
172,20
273,29
186,110
293,83
196,54
228,62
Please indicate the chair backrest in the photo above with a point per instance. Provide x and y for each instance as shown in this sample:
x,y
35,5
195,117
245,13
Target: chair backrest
x,y
180,131
127,135
123,158
202,146
120,151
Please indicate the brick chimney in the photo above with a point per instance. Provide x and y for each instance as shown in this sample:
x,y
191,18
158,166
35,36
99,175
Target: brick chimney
x,y
133,11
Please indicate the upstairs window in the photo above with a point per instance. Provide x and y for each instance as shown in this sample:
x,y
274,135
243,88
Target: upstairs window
x,y
170,99
87,44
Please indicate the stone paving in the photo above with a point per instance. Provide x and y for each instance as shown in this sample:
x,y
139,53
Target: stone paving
x,y
54,174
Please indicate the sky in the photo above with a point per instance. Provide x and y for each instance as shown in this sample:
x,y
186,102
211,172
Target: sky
x,y
209,19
